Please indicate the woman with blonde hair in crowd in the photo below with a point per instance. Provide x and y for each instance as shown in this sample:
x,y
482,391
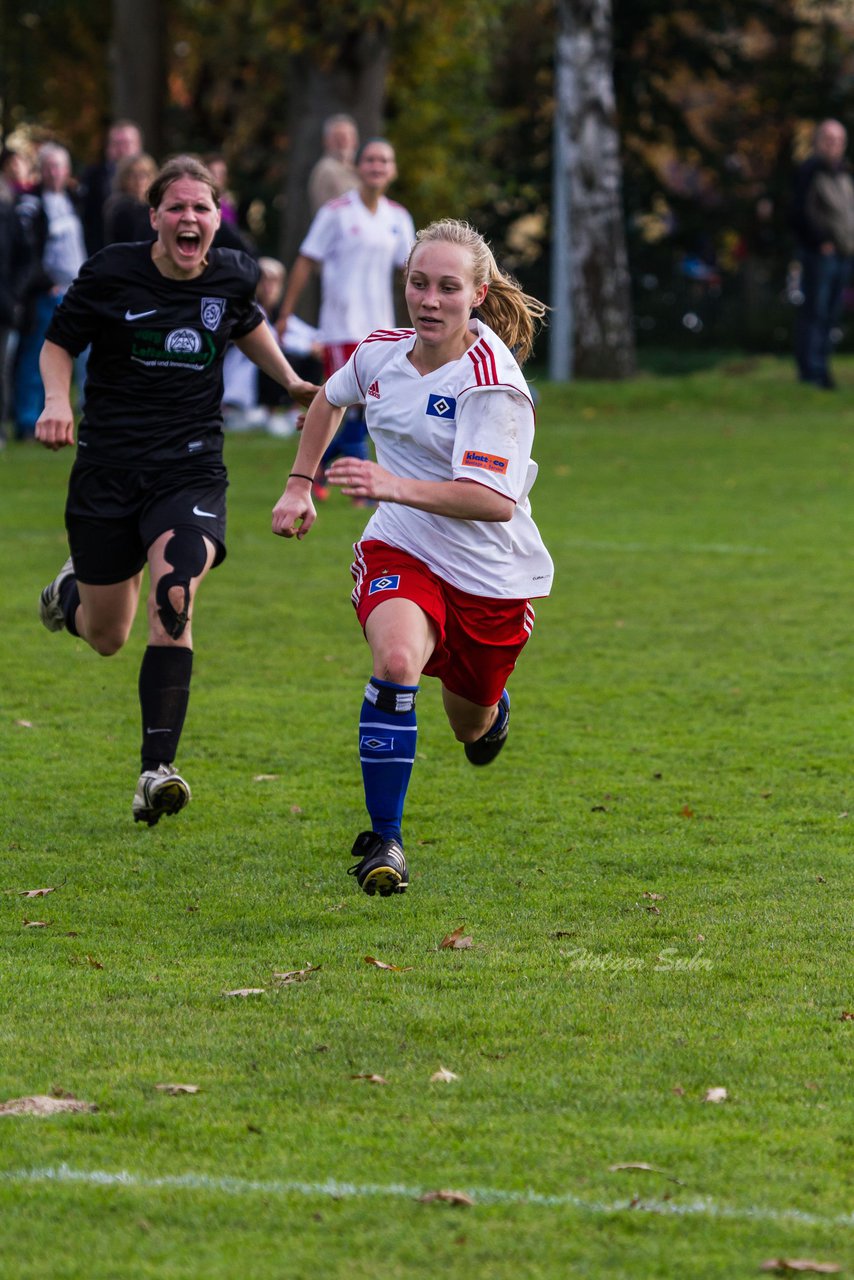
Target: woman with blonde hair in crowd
x,y
126,212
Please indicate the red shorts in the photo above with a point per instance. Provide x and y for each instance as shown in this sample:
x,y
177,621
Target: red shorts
x,y
336,355
480,637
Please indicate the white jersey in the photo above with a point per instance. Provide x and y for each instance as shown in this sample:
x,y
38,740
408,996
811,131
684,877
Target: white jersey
x,y
472,419
358,252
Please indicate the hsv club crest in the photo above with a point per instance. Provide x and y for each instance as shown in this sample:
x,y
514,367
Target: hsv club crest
x,y
212,312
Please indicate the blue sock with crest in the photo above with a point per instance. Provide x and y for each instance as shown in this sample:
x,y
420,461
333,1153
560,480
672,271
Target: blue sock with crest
x,y
387,736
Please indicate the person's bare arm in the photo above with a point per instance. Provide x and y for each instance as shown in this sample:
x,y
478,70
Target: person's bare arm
x,y
294,513
461,499
55,427
262,349
299,276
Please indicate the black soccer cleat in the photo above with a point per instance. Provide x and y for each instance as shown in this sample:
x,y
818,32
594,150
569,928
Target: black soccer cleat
x,y
381,867
485,749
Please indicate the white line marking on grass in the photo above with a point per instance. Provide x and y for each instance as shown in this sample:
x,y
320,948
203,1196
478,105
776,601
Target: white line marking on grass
x,y
332,1188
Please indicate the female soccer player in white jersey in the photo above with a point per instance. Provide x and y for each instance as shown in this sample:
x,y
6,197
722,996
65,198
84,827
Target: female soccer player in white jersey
x,y
148,483
447,565
359,241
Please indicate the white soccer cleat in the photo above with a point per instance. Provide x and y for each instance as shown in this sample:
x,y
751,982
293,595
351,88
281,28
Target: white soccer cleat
x,y
50,605
161,790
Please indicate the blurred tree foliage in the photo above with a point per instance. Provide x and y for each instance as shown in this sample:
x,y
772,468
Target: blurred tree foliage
x,y
464,93
714,98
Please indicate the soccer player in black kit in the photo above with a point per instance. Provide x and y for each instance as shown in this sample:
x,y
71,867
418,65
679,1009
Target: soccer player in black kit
x,y
148,483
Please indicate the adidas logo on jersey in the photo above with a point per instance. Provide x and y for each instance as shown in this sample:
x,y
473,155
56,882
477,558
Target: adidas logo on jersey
x,y
374,390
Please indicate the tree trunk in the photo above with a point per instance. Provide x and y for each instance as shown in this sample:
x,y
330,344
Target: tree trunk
x,y
354,82
138,58
588,166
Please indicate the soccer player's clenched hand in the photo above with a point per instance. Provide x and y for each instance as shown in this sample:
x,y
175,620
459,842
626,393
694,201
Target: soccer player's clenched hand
x,y
303,392
55,427
294,514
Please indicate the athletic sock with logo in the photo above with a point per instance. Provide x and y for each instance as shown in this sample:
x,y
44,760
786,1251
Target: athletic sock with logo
x,y
387,738
501,716
164,692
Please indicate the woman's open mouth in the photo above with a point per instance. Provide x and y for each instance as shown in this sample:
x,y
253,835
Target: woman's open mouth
x,y
188,243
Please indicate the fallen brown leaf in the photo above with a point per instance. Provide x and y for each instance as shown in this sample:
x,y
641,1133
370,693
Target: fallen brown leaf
x,y
800,1264
41,1104
846,1016
174,1089
36,924
265,777
371,1079
96,964
447,1197
295,975
24,724
443,1076
379,964
34,893
455,940
717,1094
655,897
245,991
686,811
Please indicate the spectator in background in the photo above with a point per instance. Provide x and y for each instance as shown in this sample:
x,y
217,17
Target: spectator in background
x,y
251,398
96,183
228,234
216,164
126,214
56,248
14,268
357,241
335,171
823,222
15,174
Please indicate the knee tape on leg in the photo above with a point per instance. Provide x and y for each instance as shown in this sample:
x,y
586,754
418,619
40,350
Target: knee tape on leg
x,y
187,553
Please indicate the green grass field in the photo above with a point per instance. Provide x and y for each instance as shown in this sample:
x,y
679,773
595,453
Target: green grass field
x,y
656,877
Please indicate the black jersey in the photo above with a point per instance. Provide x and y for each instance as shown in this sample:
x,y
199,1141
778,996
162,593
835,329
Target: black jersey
x,y
154,376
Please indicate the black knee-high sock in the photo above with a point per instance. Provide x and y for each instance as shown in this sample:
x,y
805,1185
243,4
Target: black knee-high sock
x,y
69,599
164,692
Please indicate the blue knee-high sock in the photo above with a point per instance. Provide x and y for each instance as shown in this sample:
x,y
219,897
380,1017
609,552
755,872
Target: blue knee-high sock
x,y
387,736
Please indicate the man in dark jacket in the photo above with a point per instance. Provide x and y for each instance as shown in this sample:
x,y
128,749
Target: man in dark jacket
x,y
823,221
96,182
14,268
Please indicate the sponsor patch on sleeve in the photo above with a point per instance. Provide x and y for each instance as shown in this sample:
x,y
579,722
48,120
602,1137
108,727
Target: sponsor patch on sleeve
x,y
486,461
389,582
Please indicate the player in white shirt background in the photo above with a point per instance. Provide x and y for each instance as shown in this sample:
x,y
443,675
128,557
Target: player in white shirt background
x,y
446,567
358,242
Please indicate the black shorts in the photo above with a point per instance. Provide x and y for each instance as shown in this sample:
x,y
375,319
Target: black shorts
x,y
113,515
